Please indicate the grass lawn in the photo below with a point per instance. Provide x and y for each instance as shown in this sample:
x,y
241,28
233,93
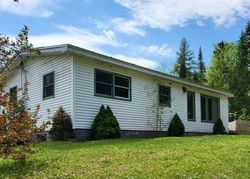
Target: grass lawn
x,y
186,157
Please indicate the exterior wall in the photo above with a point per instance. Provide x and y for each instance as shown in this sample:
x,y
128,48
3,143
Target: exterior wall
x,y
35,69
135,114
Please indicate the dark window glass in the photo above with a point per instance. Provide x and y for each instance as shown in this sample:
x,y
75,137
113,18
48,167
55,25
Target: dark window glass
x,y
191,106
13,93
121,81
104,89
122,92
210,110
104,77
164,95
203,108
49,85
110,84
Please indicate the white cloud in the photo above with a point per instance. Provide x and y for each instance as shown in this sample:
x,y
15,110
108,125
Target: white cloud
x,y
77,36
138,61
129,27
156,50
39,8
164,14
88,40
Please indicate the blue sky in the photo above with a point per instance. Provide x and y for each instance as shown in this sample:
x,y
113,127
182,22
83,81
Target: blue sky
x,y
144,32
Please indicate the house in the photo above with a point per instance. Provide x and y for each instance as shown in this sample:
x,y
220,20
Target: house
x,y
143,100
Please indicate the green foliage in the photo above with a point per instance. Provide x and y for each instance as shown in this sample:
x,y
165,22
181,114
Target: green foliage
x,y
219,127
176,127
61,126
221,73
105,125
244,116
184,64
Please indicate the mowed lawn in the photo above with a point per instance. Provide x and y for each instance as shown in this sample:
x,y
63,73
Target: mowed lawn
x,y
185,157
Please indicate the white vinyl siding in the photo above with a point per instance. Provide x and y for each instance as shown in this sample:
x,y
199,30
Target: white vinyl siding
x,y
137,113
35,69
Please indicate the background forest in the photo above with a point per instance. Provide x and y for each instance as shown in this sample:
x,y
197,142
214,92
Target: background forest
x,y
229,69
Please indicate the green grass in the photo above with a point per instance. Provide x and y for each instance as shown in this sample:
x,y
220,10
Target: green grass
x,y
186,157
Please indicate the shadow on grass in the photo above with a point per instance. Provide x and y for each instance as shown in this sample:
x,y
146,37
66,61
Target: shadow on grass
x,y
19,169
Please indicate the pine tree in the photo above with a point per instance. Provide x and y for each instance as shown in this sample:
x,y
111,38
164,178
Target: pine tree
x,y
184,65
201,66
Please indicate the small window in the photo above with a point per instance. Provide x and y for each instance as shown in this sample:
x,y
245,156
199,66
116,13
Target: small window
x,y
164,95
112,85
49,85
210,108
191,106
13,93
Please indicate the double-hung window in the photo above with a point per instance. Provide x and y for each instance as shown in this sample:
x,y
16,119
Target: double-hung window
x,y
191,106
164,96
210,108
113,85
49,85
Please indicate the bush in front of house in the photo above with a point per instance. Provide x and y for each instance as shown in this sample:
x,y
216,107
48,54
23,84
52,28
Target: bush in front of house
x,y
105,125
61,125
219,127
176,127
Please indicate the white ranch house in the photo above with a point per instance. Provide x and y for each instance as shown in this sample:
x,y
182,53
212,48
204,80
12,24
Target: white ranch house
x,y
81,81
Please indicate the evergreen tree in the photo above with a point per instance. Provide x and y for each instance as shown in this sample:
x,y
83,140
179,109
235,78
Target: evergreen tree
x,y
184,65
201,67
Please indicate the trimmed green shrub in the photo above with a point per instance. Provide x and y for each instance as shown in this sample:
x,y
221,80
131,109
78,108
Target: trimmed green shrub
x,y
176,127
61,125
105,125
219,127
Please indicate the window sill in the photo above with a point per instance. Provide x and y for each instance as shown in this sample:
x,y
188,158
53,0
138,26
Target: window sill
x,y
191,120
47,98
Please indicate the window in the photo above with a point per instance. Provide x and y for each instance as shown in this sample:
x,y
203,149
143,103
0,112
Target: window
x,y
49,85
164,95
13,93
112,85
210,108
191,106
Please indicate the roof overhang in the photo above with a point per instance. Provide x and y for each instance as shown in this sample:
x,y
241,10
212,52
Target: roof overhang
x,y
67,48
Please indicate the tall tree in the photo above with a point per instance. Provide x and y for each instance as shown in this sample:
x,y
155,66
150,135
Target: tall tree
x,y
222,68
184,64
201,66
242,80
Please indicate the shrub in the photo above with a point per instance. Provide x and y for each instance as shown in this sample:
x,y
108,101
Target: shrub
x,y
176,127
219,127
105,125
61,125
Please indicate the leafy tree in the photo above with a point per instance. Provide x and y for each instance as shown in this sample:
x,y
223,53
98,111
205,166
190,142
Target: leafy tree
x,y
184,64
221,72
17,126
164,66
176,127
242,78
61,125
105,125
